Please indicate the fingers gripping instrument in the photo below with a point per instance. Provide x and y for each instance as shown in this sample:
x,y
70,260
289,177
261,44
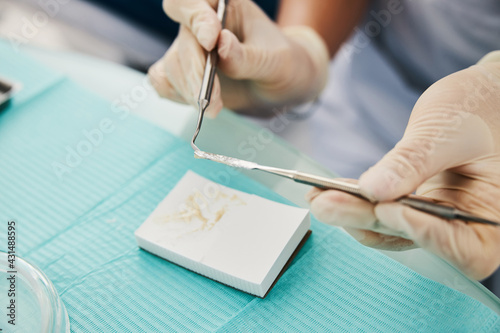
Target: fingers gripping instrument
x,y
207,83
417,202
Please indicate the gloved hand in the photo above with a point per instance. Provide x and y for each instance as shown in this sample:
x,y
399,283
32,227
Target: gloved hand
x,y
260,65
450,152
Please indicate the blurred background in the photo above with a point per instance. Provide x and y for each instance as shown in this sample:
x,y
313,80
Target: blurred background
x,y
132,33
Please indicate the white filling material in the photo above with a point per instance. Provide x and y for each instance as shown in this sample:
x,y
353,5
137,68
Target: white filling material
x,y
236,238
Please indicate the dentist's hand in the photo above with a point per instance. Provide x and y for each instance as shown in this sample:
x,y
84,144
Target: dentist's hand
x,y
451,153
260,65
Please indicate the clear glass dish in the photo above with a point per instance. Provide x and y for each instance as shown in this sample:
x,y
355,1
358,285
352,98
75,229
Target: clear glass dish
x,y
38,307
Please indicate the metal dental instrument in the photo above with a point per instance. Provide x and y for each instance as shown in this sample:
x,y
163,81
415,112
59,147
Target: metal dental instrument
x,y
209,76
419,203
415,202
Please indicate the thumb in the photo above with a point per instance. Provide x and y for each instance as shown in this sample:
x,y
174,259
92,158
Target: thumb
x,y
399,172
436,140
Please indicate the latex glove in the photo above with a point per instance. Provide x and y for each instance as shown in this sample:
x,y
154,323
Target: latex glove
x,y
450,152
260,65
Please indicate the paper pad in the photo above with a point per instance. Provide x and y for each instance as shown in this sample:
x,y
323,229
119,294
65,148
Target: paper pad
x,y
233,237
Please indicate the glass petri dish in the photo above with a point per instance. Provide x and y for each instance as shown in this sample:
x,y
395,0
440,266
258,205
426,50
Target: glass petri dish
x,y
38,307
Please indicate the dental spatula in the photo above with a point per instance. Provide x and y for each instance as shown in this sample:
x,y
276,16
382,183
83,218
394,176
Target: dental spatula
x,y
417,202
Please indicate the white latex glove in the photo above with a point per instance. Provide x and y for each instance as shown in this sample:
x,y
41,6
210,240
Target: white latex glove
x,y
260,65
450,152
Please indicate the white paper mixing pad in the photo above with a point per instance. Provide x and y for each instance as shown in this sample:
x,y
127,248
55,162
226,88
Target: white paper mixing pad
x,y
236,238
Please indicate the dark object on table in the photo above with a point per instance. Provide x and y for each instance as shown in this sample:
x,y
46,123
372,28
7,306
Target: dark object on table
x,y
6,89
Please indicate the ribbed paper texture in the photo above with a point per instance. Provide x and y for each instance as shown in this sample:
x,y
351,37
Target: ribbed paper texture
x,y
79,229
